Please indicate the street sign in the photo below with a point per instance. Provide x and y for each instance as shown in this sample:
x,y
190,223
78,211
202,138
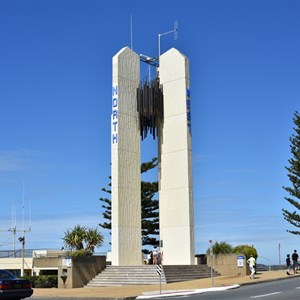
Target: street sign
x,y
158,270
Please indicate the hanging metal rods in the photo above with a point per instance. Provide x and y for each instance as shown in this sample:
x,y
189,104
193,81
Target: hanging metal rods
x,y
150,107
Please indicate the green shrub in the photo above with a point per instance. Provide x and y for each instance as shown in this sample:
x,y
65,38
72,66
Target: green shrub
x,y
225,248
43,281
220,248
246,250
80,253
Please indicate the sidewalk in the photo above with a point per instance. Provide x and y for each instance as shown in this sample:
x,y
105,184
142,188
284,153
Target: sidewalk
x,y
171,289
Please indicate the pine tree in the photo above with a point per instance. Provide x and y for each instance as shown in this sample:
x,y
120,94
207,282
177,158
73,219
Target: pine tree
x,y
294,177
107,207
150,212
150,208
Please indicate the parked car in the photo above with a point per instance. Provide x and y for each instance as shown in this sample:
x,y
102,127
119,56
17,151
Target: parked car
x,y
13,288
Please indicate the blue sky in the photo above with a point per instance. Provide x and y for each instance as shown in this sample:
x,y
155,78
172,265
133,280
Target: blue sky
x,y
55,95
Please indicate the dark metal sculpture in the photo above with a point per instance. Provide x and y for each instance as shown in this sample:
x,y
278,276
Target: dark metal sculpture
x,y
150,106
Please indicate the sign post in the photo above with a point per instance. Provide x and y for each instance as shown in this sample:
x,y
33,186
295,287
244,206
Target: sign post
x,y
158,271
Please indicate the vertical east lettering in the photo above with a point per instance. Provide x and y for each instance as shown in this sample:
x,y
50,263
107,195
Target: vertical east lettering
x,y
188,111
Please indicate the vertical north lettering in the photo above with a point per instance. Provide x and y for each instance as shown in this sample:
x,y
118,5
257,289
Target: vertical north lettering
x,y
115,114
115,138
114,118
115,90
115,102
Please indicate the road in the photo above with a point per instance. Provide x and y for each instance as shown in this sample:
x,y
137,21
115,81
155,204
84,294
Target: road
x,y
73,298
275,290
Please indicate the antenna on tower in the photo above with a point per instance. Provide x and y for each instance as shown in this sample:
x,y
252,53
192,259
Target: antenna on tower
x,y
23,212
13,229
175,31
131,37
22,238
23,206
29,215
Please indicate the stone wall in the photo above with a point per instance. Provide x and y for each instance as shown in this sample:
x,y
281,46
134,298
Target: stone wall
x,y
79,271
46,262
227,265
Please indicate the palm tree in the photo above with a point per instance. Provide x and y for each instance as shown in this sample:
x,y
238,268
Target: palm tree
x,y
74,238
93,238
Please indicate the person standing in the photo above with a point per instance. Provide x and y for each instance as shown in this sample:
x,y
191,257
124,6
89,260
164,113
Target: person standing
x,y
288,264
155,255
295,257
251,261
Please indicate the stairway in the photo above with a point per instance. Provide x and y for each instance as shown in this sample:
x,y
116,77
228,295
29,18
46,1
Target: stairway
x,y
136,275
187,272
122,275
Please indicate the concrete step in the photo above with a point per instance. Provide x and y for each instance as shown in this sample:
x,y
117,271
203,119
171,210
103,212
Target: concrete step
x,y
123,275
187,272
136,275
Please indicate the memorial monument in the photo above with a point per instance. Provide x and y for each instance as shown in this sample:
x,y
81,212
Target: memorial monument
x,y
161,108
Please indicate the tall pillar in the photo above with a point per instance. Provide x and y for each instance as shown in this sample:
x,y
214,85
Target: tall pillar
x,y
126,182
175,175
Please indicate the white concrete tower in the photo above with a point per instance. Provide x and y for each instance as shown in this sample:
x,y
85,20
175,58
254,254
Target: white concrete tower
x,y
176,208
126,182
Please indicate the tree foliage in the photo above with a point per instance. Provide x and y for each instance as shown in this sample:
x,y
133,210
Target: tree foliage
x,y
83,239
107,207
74,237
223,248
246,250
150,207
293,169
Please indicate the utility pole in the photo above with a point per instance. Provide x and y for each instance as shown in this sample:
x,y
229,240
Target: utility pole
x,y
279,256
14,231
211,263
22,240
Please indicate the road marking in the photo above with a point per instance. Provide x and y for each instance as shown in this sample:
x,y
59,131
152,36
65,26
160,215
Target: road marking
x,y
179,296
265,295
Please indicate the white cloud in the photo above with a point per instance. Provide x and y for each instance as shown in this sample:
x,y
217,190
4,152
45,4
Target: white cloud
x,y
20,160
10,162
